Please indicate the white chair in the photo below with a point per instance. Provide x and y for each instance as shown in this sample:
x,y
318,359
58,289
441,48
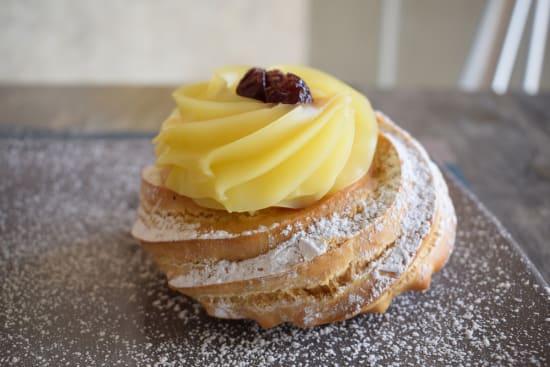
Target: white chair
x,y
478,64
503,22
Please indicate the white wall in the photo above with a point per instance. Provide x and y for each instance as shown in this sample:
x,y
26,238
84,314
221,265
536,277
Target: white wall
x,y
435,38
160,41
170,41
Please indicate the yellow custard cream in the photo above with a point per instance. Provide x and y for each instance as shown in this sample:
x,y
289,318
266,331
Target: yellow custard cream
x,y
239,154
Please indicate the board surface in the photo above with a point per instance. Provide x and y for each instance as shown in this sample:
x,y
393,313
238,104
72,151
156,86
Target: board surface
x,y
77,289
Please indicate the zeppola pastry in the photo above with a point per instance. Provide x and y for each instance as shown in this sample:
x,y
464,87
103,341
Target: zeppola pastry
x,y
279,195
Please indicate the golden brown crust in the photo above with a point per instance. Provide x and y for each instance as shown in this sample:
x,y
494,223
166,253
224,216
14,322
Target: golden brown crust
x,y
432,255
349,277
155,199
241,246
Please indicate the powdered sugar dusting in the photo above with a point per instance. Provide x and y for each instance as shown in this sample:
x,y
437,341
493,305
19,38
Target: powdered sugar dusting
x,y
168,228
78,290
310,249
305,243
417,192
415,225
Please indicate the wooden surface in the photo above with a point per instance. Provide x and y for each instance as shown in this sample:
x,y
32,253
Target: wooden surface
x,y
501,144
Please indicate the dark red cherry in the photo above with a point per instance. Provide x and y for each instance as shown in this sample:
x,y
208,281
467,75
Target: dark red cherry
x,y
274,86
252,84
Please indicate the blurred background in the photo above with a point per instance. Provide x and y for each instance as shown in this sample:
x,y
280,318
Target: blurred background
x,y
392,43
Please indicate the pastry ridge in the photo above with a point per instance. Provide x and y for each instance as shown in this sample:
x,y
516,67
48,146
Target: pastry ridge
x,y
347,254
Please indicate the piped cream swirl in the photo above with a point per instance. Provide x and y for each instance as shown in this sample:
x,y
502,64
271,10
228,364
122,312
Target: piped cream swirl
x,y
235,153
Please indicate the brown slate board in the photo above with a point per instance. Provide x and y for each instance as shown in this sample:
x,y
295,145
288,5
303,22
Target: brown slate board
x,y
76,289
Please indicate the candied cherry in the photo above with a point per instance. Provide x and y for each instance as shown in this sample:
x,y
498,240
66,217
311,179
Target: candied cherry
x,y
274,86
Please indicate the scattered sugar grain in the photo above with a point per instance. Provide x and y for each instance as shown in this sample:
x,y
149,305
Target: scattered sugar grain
x,y
71,270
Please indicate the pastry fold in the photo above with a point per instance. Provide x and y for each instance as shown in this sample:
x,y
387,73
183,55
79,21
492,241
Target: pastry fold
x,y
349,253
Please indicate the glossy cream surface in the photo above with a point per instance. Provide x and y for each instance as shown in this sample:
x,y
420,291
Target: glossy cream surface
x,y
230,152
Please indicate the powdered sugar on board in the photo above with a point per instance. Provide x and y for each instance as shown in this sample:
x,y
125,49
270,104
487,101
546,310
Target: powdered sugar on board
x,y
78,290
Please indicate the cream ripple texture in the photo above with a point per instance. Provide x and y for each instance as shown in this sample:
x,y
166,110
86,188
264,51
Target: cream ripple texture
x,y
230,152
